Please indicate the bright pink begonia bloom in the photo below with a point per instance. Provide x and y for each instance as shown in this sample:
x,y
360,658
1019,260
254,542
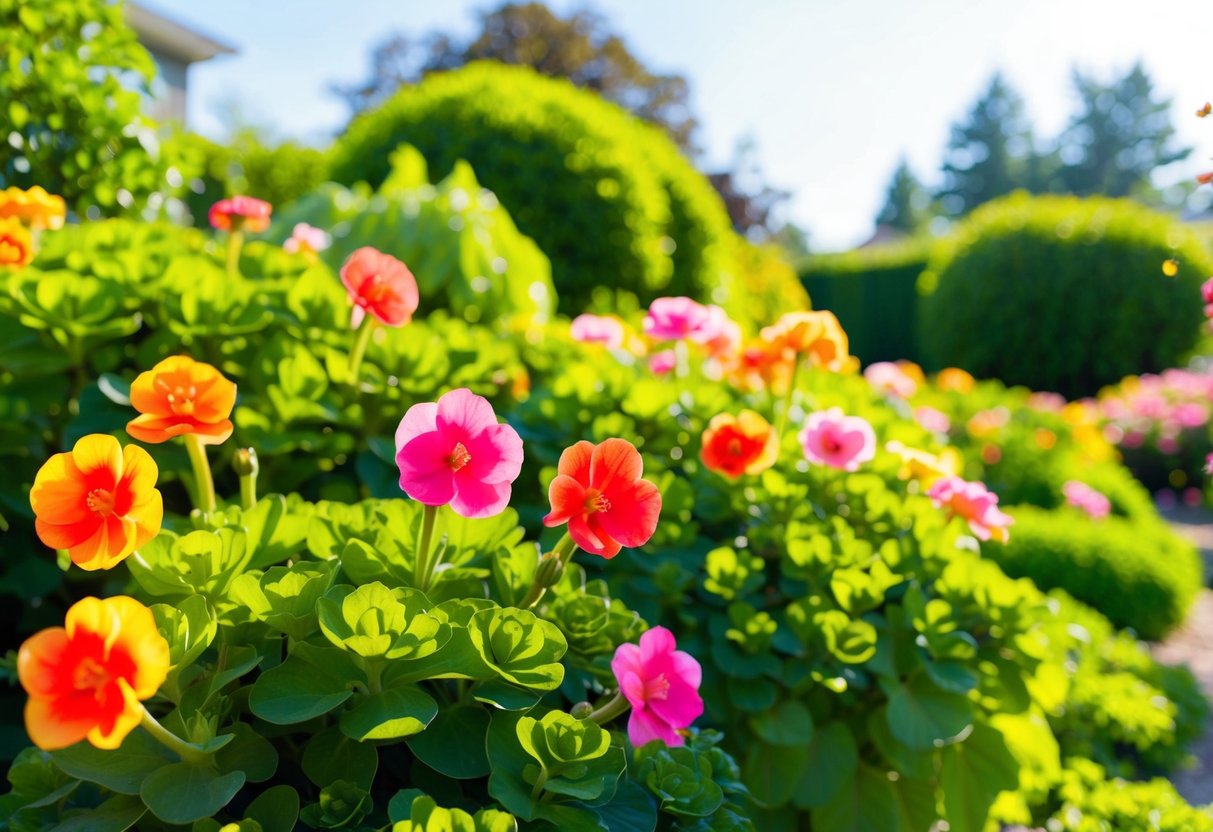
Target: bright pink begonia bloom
x,y
843,442
662,362
976,504
1082,496
455,452
597,329
662,685
673,319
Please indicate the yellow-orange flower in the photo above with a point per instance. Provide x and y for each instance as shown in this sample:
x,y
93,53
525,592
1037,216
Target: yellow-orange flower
x,y
817,335
762,365
36,208
925,467
954,379
741,444
99,502
16,243
181,396
86,680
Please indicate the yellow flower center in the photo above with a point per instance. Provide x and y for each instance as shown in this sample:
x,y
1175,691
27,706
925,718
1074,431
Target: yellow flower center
x,y
459,457
657,688
180,397
89,675
596,501
100,501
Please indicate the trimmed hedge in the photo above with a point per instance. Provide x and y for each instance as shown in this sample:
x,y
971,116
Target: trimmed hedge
x,y
609,199
1062,293
873,292
1140,575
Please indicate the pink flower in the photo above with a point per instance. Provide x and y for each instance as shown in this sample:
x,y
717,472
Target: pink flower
x,y
597,329
673,319
455,452
889,378
662,362
720,335
933,420
307,239
843,442
662,686
1209,464
1206,290
975,503
1082,496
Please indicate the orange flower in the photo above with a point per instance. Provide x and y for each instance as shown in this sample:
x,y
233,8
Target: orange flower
x,y
180,396
16,244
1204,178
761,364
817,335
240,213
98,502
955,380
36,208
741,444
86,680
925,467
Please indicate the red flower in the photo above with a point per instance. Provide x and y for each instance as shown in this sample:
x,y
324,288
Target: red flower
x,y
380,284
599,493
240,213
1204,178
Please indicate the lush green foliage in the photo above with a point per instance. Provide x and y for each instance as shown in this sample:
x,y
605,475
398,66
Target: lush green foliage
x,y
1089,273
874,294
609,199
71,75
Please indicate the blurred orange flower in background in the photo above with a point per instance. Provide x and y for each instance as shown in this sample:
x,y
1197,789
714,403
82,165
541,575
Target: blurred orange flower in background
x,y
35,208
954,379
182,396
99,502
86,680
741,444
240,213
16,243
817,335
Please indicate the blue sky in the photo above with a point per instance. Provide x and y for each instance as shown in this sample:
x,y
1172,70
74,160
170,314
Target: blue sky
x,y
832,91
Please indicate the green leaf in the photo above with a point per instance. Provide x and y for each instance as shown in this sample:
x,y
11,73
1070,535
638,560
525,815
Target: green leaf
x,y
453,744
389,714
249,752
331,756
789,723
188,626
523,648
183,793
923,716
311,682
632,809
866,804
122,770
832,761
117,814
909,762
373,621
276,809
773,771
973,773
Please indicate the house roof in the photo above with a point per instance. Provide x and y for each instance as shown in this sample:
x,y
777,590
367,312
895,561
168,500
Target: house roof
x,y
172,39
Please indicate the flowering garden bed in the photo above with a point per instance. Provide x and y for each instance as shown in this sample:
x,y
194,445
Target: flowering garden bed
x,y
295,548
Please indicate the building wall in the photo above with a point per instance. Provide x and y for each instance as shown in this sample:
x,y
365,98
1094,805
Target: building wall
x,y
169,89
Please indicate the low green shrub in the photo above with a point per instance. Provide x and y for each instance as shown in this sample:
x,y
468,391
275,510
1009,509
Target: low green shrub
x,y
874,293
1091,803
1063,293
608,199
1139,575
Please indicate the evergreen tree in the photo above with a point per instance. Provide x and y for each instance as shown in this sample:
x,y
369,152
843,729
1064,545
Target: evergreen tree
x,y
906,201
990,153
1120,134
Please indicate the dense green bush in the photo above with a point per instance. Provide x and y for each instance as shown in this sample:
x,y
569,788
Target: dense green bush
x,y
1090,803
608,199
873,291
73,78
1063,294
1139,576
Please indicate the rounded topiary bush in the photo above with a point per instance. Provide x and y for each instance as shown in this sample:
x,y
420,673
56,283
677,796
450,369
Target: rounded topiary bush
x,y
1139,575
1063,294
609,199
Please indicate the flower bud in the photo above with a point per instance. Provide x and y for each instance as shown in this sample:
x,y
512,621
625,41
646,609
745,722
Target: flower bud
x,y
245,462
582,710
551,567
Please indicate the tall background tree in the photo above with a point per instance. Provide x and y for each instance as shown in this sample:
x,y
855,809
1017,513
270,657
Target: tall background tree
x,y
907,203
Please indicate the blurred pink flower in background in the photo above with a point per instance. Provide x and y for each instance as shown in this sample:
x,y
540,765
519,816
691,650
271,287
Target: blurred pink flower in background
x,y
933,420
307,239
889,378
839,441
662,362
976,504
1082,496
597,329
673,319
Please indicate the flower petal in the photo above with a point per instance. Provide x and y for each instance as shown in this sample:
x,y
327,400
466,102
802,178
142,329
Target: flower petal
x,y
418,419
635,509
475,499
567,497
39,659
50,730
615,459
575,462
98,452
59,493
465,410
425,471
496,455
644,726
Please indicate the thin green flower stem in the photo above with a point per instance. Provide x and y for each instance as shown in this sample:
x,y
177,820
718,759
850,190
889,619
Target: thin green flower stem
x,y
364,338
782,419
562,551
202,473
422,567
235,241
248,491
188,752
616,707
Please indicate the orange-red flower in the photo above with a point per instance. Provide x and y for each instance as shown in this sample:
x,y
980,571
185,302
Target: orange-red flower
x,y
180,396
36,208
817,335
99,502
763,365
86,680
241,213
954,379
16,243
741,444
599,493
380,284
1204,178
